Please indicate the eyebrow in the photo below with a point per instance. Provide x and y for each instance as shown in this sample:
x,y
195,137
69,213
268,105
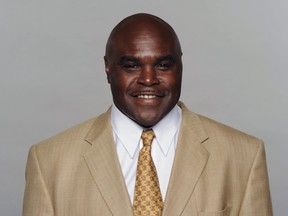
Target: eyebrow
x,y
127,59
166,58
123,59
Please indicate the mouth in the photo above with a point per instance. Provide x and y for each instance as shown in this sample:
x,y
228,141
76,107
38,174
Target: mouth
x,y
146,96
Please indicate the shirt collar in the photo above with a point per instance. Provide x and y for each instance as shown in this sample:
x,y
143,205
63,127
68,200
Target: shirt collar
x,y
167,129
129,132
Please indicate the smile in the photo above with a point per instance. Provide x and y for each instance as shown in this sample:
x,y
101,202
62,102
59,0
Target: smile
x,y
146,96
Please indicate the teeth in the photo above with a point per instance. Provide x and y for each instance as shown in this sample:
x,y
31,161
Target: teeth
x,y
146,96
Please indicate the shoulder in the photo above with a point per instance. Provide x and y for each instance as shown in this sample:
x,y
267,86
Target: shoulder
x,y
229,142
72,139
220,136
219,130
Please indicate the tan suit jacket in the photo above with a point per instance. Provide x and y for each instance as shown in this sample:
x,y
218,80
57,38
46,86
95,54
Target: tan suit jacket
x,y
217,171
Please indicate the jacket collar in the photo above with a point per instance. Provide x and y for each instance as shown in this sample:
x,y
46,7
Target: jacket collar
x,y
189,163
102,161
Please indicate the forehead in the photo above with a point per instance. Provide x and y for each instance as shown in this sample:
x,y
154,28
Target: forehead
x,y
144,43
143,36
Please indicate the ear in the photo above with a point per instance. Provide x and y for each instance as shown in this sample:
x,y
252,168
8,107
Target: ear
x,y
107,69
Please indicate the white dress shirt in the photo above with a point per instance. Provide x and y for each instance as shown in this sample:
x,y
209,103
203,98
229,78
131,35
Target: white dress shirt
x,y
127,137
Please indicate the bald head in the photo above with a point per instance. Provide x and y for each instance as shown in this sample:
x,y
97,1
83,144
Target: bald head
x,y
144,68
140,24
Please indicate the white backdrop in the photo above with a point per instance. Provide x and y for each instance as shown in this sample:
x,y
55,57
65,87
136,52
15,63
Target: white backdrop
x,y
52,73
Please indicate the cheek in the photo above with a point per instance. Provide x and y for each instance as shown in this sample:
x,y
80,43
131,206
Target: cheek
x,y
173,87
171,82
120,83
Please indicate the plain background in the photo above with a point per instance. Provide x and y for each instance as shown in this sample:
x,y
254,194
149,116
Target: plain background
x,y
52,73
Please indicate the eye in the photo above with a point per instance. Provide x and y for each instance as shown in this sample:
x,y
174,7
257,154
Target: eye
x,y
163,66
131,66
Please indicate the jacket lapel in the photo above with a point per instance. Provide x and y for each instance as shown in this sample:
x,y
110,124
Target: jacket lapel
x,y
104,166
189,162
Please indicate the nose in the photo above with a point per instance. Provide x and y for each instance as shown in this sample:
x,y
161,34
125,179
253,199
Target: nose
x,y
148,77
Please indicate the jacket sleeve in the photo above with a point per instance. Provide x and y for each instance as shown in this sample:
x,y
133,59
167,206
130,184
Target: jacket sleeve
x,y
36,197
257,200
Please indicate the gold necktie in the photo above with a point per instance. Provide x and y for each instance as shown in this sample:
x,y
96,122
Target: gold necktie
x,y
147,195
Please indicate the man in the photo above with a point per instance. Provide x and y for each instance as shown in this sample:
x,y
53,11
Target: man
x,y
103,167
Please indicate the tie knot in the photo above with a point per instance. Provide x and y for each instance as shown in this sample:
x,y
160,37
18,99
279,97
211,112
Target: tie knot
x,y
147,137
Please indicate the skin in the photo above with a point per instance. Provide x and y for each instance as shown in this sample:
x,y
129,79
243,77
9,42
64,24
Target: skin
x,y
144,68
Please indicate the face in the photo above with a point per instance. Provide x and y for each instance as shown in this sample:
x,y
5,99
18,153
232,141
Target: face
x,y
144,69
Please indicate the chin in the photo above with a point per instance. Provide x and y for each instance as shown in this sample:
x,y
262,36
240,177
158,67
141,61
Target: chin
x,y
147,120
